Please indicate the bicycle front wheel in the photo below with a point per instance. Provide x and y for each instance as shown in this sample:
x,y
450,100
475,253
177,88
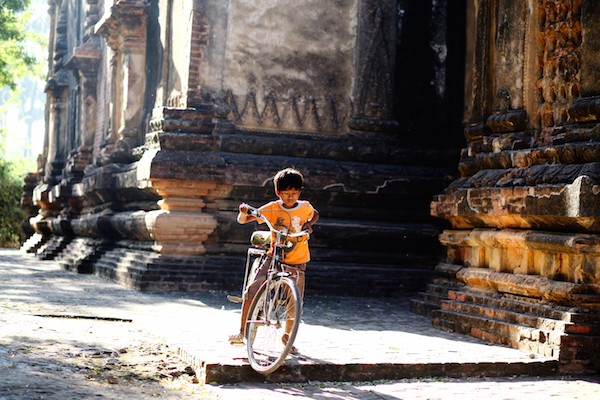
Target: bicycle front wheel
x,y
272,324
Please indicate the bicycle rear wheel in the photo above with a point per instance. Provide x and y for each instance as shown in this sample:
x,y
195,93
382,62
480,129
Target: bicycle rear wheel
x,y
269,320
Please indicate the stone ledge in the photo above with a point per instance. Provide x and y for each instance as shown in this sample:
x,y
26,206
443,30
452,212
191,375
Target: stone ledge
x,y
567,258
572,206
530,286
524,239
210,372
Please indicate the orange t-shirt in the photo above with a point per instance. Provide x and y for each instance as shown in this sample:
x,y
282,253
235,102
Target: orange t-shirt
x,y
290,220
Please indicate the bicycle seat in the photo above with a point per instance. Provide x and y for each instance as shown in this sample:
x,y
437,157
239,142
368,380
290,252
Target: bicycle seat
x,y
261,238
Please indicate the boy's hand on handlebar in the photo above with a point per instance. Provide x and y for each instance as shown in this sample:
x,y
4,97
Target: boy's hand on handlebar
x,y
307,227
245,214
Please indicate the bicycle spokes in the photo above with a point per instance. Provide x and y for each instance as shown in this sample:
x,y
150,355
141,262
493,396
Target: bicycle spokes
x,y
273,314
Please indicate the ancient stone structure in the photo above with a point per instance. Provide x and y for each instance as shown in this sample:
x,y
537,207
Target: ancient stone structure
x,y
164,115
523,255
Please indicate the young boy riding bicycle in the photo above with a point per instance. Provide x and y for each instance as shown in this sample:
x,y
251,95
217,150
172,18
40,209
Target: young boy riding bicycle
x,y
289,214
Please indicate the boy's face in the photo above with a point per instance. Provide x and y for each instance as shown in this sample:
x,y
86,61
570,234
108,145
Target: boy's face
x,y
289,197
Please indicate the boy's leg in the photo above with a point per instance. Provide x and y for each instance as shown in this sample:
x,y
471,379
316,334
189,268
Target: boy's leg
x,y
298,272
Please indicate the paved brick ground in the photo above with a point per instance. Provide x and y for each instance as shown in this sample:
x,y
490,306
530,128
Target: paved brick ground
x,y
432,389
341,339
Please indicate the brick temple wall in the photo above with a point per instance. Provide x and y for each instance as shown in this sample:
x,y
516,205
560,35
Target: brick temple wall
x,y
184,109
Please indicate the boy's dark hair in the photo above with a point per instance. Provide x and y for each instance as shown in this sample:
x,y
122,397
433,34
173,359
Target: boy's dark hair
x,y
287,179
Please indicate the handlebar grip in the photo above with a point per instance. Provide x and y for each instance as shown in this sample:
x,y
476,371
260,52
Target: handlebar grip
x,y
253,211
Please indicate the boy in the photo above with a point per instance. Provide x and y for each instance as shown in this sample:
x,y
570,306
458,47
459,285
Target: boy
x,y
288,213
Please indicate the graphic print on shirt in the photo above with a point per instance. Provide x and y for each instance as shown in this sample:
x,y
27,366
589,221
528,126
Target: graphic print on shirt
x,y
296,227
290,243
280,225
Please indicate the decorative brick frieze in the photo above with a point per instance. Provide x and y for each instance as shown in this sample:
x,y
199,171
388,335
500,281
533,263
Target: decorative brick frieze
x,y
288,112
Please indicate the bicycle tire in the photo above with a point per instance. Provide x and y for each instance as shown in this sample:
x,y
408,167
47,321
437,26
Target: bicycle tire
x,y
266,325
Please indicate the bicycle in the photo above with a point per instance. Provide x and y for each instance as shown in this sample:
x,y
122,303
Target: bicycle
x,y
274,314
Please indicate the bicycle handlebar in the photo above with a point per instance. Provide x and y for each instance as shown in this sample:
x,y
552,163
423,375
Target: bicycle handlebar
x,y
256,213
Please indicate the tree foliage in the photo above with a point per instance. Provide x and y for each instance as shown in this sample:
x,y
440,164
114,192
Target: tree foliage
x,y
27,98
16,58
11,215
20,41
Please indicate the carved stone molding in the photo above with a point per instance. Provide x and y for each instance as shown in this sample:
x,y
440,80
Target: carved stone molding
x,y
510,121
476,132
92,16
85,60
544,174
186,120
548,289
61,194
40,198
568,154
585,109
505,119
180,227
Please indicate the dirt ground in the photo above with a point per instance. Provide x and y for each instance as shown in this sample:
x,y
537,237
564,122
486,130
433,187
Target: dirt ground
x,y
69,358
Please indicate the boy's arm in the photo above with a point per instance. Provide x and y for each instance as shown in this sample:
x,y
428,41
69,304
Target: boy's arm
x,y
308,224
243,216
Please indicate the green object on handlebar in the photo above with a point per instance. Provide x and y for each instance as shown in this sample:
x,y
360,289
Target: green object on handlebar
x,y
261,238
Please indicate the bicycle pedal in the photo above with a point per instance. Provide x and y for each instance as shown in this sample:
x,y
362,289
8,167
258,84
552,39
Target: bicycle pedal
x,y
234,299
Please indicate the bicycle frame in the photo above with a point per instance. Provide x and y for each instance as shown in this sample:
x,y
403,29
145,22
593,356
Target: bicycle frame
x,y
274,312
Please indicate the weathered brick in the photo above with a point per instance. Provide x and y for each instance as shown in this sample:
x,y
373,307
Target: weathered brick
x,y
573,328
